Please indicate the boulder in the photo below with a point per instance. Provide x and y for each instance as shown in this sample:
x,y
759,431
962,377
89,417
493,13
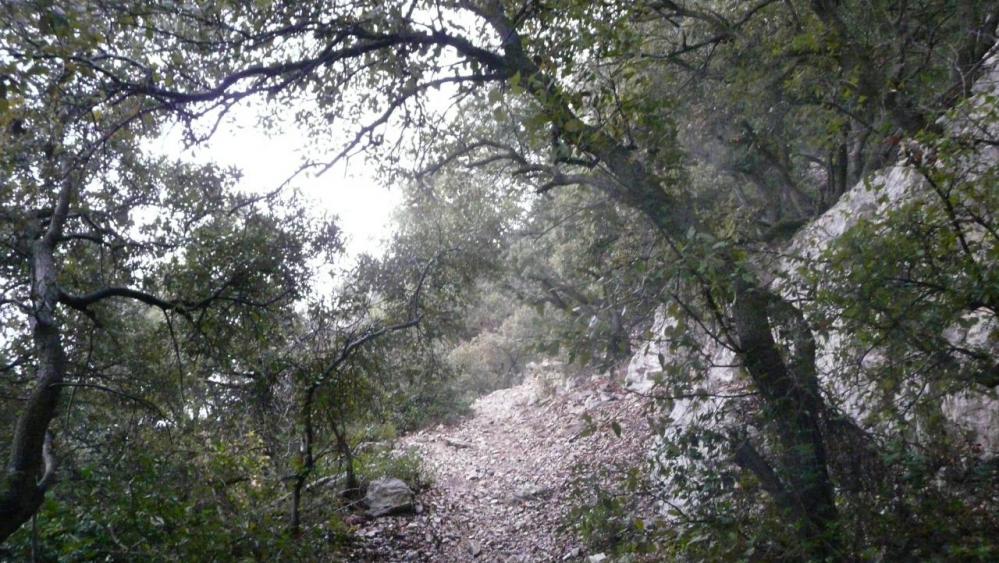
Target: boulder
x,y
973,413
388,496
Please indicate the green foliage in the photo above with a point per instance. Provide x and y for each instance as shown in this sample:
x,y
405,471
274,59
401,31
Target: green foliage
x,y
606,525
495,359
607,157
592,272
607,521
405,465
157,503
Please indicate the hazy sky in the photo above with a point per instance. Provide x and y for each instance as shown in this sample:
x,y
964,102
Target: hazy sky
x,y
348,190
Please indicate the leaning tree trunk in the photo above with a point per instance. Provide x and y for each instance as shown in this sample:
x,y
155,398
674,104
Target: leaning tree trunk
x,y
790,397
352,489
792,402
31,468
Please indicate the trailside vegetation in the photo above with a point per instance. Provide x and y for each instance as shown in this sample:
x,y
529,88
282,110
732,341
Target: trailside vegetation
x,y
569,168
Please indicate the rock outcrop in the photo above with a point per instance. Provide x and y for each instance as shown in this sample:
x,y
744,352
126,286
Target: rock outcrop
x,y
973,412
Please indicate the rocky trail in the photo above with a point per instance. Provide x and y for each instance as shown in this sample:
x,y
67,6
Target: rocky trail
x,y
506,478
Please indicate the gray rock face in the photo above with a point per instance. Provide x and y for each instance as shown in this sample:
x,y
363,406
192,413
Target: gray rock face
x,y
388,496
974,412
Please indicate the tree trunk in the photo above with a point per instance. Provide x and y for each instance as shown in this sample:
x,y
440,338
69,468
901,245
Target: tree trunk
x,y
352,488
793,403
31,468
791,397
296,504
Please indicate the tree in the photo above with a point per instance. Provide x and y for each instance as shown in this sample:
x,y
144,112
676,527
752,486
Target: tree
x,y
579,256
93,226
606,86
333,373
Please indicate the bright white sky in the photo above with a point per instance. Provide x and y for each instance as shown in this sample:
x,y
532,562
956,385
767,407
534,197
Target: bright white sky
x,y
267,158
350,191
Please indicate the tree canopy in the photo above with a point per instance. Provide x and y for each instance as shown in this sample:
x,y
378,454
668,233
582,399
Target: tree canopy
x,y
569,167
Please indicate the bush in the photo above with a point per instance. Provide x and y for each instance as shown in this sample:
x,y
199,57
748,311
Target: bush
x,y
154,503
495,358
607,519
406,466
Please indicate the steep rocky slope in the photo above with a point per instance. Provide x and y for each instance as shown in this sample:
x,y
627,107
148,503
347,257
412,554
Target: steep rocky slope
x,y
974,411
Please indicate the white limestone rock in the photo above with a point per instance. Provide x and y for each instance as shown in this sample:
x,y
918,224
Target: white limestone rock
x,y
388,496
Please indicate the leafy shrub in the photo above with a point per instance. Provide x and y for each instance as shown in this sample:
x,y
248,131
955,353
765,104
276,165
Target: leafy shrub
x,y
157,504
495,358
606,519
406,466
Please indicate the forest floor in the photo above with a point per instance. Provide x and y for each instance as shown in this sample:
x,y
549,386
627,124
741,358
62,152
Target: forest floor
x,y
506,480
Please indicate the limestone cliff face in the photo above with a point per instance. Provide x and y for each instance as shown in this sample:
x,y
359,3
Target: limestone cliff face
x,y
973,413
